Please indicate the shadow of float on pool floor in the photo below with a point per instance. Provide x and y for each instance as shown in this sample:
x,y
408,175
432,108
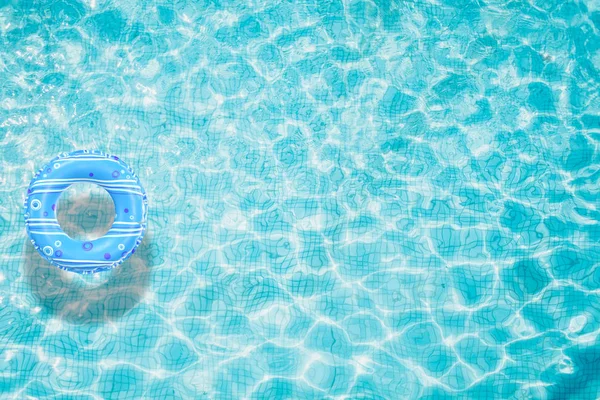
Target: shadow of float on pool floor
x,y
88,299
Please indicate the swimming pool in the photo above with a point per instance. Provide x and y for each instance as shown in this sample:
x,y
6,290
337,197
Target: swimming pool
x,y
359,199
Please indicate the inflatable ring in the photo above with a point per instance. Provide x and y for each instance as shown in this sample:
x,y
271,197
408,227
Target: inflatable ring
x,y
101,254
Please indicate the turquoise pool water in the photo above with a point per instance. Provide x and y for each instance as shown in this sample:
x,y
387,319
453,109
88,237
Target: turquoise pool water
x,y
350,200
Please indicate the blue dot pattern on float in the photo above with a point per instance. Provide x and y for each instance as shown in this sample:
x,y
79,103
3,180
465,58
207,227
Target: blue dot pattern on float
x,y
358,199
106,171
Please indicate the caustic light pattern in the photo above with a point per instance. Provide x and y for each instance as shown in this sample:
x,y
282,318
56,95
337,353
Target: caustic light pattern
x,y
348,199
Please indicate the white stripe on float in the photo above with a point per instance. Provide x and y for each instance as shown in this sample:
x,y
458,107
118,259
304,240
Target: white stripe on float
x,y
108,190
83,179
66,185
48,233
89,158
40,224
84,261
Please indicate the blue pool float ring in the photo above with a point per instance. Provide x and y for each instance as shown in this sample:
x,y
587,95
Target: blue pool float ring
x,y
101,254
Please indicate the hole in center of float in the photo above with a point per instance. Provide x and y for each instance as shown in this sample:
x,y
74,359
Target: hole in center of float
x,y
85,211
